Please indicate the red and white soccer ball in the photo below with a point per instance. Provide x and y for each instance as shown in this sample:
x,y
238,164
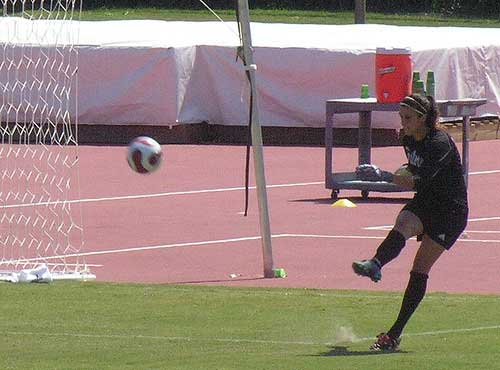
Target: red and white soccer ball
x,y
144,154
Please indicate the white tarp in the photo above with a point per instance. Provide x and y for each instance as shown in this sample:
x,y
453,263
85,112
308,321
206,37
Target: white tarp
x,y
164,73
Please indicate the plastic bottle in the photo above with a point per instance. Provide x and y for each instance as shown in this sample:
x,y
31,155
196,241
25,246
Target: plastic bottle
x,y
430,85
415,78
419,88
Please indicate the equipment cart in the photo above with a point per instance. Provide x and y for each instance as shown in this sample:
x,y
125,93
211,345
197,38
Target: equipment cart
x,y
464,108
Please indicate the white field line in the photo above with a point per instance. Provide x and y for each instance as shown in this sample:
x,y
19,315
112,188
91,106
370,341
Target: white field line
x,y
441,332
157,195
147,248
484,219
189,192
222,241
389,227
233,340
376,237
482,231
484,172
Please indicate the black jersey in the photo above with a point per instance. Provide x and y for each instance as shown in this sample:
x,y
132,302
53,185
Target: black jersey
x,y
437,169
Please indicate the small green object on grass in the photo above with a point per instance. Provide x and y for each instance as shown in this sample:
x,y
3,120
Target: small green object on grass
x,y
279,273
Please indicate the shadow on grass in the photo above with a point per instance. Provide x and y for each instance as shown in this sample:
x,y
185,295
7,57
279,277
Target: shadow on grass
x,y
339,351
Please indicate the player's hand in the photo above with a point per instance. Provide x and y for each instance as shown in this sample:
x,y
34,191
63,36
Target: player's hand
x,y
403,171
403,177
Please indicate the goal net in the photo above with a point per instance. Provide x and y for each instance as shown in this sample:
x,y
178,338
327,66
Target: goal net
x,y
41,231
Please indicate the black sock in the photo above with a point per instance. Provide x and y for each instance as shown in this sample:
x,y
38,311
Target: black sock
x,y
414,294
390,247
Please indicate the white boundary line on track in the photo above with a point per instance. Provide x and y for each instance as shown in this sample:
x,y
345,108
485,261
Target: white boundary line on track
x,y
132,249
376,237
193,192
482,231
219,190
166,194
238,340
484,172
230,240
389,227
484,219
146,248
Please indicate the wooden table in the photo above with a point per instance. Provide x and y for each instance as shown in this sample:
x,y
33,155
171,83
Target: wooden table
x,y
464,108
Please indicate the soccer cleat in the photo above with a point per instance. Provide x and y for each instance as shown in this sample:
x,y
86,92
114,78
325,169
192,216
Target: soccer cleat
x,y
369,268
385,343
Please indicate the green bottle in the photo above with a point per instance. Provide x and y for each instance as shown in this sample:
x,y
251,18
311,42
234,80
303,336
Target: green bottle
x,y
419,88
430,85
415,78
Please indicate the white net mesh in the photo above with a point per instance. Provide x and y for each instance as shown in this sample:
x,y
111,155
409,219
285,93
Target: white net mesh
x,y
39,222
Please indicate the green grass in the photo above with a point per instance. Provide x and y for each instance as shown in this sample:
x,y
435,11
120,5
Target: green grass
x,y
122,326
285,16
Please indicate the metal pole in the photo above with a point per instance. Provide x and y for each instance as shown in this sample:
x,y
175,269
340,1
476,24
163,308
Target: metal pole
x,y
360,11
256,132
365,138
465,148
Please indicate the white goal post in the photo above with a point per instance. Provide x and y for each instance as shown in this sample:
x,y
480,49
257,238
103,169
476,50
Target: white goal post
x,y
41,230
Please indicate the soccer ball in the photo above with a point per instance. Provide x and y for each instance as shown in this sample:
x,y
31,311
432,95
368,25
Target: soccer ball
x,y
144,154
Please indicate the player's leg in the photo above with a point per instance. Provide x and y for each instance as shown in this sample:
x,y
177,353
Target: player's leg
x,y
407,224
428,253
441,233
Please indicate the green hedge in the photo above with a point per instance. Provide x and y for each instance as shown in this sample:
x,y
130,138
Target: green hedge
x,y
486,8
472,8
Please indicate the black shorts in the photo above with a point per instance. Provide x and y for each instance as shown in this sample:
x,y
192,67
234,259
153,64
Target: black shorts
x,y
443,225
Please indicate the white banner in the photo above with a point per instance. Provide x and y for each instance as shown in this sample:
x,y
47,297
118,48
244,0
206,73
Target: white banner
x,y
167,73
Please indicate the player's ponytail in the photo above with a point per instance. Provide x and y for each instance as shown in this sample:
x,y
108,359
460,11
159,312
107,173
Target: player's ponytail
x,y
432,113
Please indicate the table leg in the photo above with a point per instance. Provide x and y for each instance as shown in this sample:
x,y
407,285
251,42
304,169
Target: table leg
x,y
365,137
328,150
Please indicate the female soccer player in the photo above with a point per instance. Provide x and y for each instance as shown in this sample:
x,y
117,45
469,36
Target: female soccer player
x,y
438,211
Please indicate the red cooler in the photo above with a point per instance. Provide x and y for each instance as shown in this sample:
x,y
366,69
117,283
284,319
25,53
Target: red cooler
x,y
393,71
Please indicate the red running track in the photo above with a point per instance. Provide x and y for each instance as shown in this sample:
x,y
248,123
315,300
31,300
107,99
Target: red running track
x,y
184,224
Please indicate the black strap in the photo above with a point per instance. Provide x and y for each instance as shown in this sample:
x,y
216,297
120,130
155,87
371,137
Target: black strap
x,y
241,55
